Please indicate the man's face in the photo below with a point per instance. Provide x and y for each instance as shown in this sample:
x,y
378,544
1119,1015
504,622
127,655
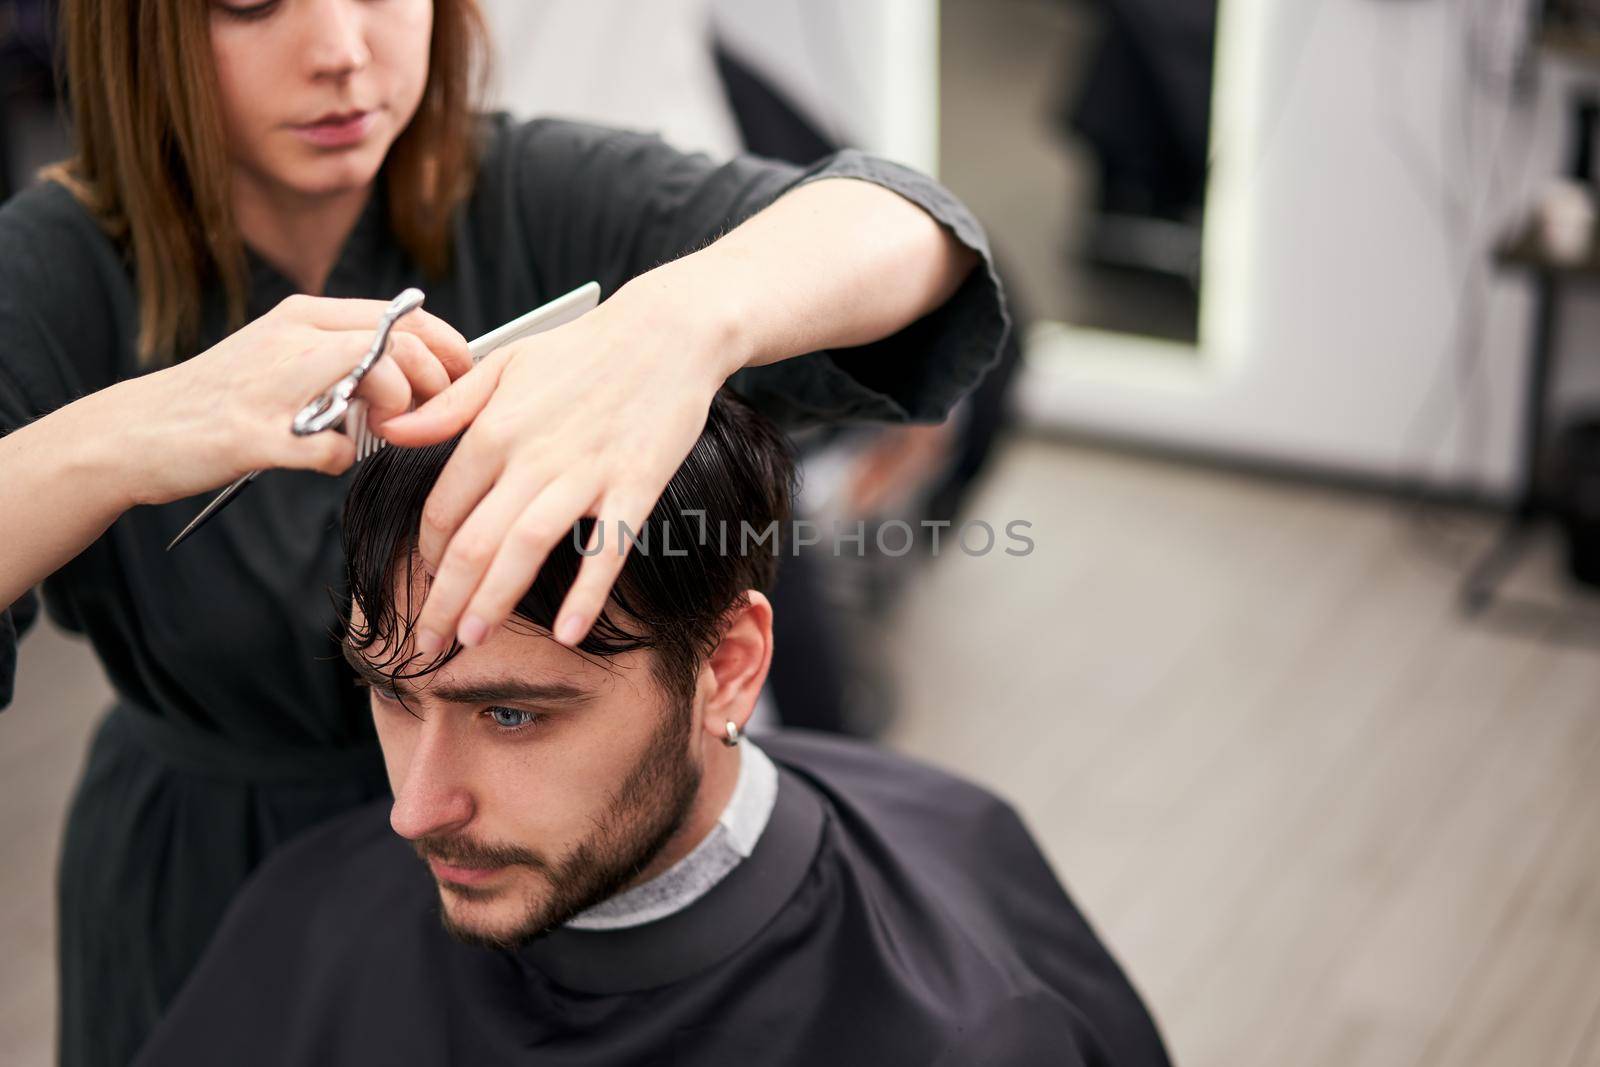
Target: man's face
x,y
534,781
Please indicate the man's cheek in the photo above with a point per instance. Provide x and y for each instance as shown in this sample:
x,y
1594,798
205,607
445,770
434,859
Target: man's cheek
x,y
539,820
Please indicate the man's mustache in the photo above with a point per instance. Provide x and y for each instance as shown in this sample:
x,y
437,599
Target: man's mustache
x,y
463,852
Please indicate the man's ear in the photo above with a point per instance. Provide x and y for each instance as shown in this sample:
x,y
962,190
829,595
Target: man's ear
x,y
732,676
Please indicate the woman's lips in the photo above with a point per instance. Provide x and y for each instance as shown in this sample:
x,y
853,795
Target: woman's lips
x,y
338,131
462,875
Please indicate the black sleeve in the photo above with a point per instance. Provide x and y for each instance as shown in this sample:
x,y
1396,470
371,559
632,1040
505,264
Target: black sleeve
x,y
600,204
59,322
15,409
52,305
14,622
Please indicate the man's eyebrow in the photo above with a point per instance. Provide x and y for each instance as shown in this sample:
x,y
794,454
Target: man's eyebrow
x,y
485,692
511,689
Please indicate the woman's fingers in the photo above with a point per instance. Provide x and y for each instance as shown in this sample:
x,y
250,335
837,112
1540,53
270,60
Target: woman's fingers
x,y
427,375
472,471
409,364
449,412
409,372
329,453
523,550
470,553
438,336
599,571
386,391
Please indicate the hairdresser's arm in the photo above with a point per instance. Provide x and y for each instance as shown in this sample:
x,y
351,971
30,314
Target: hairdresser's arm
x,y
63,482
809,273
594,418
66,477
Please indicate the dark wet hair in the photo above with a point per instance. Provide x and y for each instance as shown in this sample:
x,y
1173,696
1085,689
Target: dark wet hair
x,y
676,587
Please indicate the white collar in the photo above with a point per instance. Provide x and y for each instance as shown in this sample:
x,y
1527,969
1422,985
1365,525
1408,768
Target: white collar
x,y
730,841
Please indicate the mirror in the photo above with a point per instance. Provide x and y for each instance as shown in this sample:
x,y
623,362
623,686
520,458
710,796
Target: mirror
x,y
1079,131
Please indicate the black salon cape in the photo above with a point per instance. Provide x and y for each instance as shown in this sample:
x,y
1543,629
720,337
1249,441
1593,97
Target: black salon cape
x,y
237,724
890,915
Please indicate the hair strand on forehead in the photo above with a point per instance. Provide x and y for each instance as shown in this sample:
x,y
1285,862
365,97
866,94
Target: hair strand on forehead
x,y
673,603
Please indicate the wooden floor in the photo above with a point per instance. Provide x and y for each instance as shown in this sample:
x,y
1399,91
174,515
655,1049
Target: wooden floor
x,y
1322,819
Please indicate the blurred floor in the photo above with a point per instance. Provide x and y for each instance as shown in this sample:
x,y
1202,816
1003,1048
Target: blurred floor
x,y
1322,819
43,736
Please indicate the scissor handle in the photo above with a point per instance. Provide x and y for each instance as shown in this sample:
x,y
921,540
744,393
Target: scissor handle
x,y
326,410
321,414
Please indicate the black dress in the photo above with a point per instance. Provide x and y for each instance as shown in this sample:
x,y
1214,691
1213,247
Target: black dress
x,y
889,915
236,724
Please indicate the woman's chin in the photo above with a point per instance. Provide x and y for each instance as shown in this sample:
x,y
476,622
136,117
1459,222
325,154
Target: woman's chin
x,y
335,178
321,174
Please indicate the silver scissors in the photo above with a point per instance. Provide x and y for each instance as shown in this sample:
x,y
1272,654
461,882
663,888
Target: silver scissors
x,y
325,412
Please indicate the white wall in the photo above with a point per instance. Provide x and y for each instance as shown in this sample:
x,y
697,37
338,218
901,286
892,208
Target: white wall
x,y
616,62
1349,134
868,68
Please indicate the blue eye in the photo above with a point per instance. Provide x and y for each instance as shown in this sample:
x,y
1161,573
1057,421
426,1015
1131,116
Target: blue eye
x,y
512,718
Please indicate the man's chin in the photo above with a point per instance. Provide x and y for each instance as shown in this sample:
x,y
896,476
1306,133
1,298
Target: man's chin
x,y
491,919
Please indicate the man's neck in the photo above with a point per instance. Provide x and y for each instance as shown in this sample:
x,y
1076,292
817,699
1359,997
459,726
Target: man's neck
x,y
731,840
717,780
301,236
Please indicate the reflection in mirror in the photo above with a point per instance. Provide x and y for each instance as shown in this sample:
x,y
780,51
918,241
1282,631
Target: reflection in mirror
x,y
1078,130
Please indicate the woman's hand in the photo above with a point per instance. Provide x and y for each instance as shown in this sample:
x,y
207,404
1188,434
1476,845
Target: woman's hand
x,y
198,425
591,419
204,422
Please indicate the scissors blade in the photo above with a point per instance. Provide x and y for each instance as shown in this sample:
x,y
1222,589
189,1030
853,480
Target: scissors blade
x,y
220,501
313,418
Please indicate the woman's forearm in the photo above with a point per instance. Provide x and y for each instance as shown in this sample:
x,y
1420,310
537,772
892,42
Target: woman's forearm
x,y
834,264
63,481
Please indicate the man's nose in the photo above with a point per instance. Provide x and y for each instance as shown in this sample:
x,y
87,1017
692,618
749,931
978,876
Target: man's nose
x,y
336,38
431,798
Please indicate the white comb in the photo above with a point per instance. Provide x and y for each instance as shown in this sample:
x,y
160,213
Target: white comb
x,y
558,312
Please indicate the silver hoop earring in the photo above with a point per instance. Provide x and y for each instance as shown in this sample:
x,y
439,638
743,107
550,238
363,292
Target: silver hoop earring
x,y
732,740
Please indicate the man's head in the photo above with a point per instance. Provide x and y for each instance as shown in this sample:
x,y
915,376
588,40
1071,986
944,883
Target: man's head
x,y
538,780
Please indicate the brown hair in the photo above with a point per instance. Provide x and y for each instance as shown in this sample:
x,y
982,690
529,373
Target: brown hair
x,y
152,164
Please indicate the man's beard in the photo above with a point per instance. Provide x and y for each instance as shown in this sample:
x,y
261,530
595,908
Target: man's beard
x,y
646,811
